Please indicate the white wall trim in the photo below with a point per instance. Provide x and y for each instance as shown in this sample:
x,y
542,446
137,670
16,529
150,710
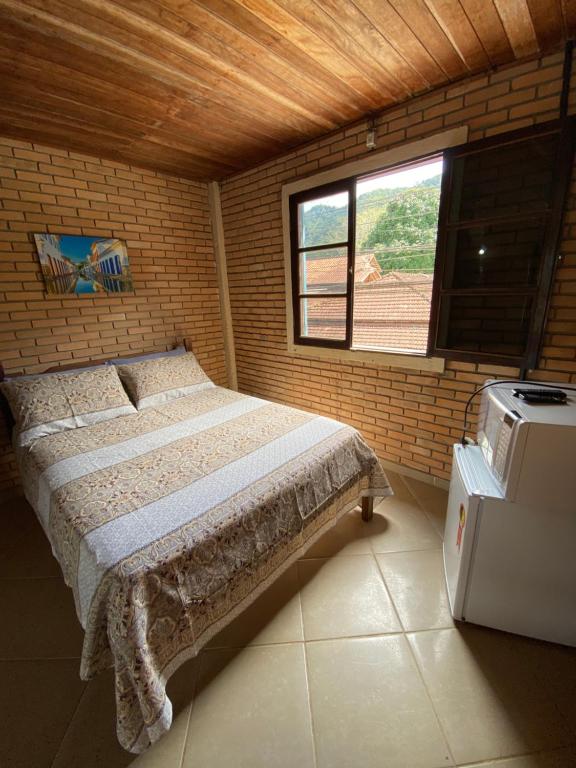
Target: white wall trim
x,y
375,161
222,275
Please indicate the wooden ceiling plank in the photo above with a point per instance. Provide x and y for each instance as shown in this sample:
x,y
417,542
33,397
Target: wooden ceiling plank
x,y
569,17
356,23
486,21
425,26
168,67
184,137
518,25
402,38
198,23
327,53
333,29
58,76
548,21
252,27
457,27
216,53
42,127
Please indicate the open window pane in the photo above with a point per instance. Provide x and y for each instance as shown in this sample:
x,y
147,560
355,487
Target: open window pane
x,y
396,228
506,180
324,271
323,318
498,255
323,221
486,324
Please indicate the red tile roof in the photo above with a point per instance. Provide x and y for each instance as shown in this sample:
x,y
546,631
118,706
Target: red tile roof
x,y
391,312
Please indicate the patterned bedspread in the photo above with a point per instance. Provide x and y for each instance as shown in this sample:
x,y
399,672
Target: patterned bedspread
x,y
168,522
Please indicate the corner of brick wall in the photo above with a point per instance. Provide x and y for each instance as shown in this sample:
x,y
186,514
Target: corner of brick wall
x,y
166,225
409,418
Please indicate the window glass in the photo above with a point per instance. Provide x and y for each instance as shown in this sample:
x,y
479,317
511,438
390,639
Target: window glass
x,y
497,255
323,318
496,324
324,271
503,181
323,221
396,229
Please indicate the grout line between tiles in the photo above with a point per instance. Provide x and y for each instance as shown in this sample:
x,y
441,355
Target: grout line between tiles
x,y
76,708
309,697
192,704
430,699
390,598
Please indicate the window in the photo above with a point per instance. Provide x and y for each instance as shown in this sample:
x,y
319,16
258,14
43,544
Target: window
x,y
502,205
451,255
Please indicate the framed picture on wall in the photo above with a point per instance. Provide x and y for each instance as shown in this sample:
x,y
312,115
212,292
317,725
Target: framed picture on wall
x,y
75,264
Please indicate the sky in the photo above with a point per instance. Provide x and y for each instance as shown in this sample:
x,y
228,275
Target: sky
x,y
402,178
76,248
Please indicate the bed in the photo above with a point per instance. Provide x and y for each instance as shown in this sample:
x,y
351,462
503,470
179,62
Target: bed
x,y
167,521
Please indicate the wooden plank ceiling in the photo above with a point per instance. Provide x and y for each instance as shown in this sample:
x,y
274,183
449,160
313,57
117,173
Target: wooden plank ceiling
x,y
205,88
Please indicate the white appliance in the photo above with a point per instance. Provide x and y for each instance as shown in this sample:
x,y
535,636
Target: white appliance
x,y
510,537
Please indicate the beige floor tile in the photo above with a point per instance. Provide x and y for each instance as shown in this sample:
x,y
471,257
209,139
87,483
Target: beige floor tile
x,y
96,716
562,758
168,751
402,526
370,707
487,695
398,484
24,548
344,597
432,499
415,580
38,620
275,617
251,710
37,701
350,536
555,667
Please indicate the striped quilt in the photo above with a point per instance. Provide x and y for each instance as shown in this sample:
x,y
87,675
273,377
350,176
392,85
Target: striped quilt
x,y
168,522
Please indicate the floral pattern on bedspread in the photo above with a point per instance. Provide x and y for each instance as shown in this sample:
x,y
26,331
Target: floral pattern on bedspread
x,y
167,526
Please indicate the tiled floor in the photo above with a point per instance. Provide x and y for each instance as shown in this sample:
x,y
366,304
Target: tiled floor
x,y
351,660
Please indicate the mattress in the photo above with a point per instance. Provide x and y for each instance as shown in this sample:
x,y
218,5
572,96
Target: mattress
x,y
168,522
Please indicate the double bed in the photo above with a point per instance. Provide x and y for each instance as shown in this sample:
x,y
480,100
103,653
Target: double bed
x,y
169,519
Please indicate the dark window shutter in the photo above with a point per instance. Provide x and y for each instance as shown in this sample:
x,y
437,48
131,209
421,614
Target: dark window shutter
x,y
500,222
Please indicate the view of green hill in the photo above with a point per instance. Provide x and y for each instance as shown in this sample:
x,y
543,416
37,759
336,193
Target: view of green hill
x,y
398,225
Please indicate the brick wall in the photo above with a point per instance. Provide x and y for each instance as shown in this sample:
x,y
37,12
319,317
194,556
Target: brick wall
x,y
410,418
166,225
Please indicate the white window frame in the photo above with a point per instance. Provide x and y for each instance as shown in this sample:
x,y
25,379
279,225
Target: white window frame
x,y
375,161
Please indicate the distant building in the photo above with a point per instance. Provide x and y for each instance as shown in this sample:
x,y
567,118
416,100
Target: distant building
x,y
59,272
109,266
391,309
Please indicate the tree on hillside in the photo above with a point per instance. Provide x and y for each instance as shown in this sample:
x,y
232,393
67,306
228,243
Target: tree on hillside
x,y
404,233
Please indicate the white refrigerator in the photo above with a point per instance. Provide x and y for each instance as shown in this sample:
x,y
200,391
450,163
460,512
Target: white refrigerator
x,y
510,537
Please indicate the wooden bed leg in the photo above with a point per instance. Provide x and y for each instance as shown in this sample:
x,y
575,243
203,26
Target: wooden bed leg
x,y
367,508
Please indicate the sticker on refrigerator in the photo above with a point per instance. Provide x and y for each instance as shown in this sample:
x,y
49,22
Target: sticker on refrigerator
x,y
461,524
